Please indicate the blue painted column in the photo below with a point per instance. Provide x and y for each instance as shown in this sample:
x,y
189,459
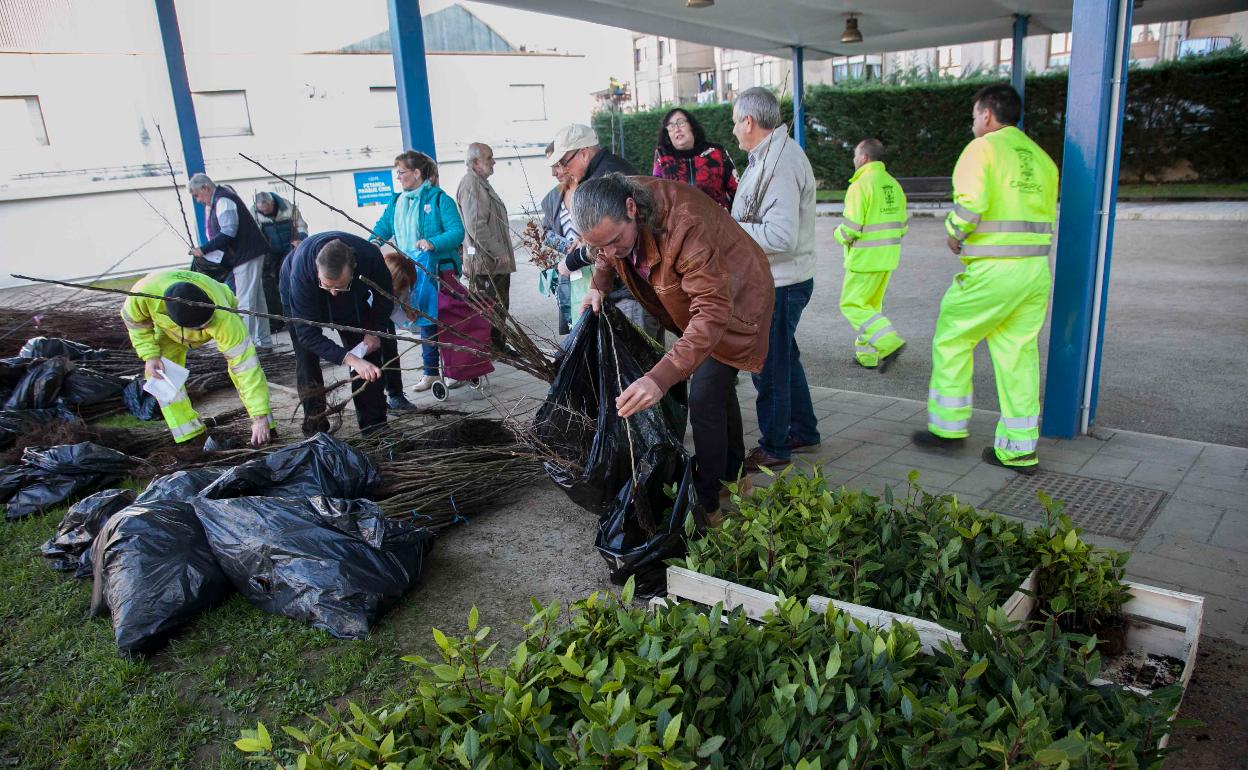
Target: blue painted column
x,y
1094,108
183,107
799,97
1018,63
411,76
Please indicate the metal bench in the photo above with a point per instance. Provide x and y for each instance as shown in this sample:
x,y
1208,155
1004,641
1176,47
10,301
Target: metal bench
x,y
927,189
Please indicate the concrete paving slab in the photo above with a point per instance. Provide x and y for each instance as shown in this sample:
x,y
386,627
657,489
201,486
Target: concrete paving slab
x,y
958,463
1185,518
1158,475
1193,576
931,480
872,436
1108,467
1232,531
864,456
1214,497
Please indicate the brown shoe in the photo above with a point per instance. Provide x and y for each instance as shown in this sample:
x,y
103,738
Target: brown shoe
x,y
760,458
795,446
745,488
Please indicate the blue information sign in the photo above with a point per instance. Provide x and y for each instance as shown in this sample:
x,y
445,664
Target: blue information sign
x,y
373,188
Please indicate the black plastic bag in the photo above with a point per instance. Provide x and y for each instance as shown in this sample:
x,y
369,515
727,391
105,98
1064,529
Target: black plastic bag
x,y
85,386
578,420
321,465
155,573
50,347
40,385
140,403
336,564
48,477
180,485
631,550
12,370
16,422
81,524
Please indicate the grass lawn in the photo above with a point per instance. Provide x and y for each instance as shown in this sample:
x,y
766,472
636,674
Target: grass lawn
x,y
68,700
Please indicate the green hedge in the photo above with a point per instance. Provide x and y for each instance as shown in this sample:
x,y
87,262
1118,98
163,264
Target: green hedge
x,y
1190,111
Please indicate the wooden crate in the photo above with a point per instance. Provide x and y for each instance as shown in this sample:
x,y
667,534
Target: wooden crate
x,y
694,586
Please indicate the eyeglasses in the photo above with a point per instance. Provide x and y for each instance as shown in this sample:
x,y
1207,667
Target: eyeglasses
x,y
334,289
678,124
567,158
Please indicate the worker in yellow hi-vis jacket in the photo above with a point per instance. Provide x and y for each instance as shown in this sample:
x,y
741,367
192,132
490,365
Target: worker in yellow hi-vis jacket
x,y
167,328
1005,206
875,221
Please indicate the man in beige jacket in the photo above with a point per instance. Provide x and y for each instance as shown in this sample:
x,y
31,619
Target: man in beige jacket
x,y
490,259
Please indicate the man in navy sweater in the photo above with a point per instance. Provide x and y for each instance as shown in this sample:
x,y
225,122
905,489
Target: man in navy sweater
x,y
320,282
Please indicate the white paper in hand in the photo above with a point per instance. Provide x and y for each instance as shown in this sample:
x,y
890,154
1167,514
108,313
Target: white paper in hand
x,y
359,351
165,385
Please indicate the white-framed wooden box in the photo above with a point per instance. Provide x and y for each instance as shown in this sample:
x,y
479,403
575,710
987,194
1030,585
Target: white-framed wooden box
x,y
1161,621
1164,622
694,586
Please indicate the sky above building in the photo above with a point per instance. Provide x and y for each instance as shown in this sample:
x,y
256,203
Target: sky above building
x,y
245,26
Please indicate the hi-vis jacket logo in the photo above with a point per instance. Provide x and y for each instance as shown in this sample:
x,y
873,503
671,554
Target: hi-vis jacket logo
x,y
1026,172
890,198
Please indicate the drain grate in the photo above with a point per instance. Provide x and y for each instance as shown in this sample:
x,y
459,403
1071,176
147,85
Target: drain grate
x,y
1097,506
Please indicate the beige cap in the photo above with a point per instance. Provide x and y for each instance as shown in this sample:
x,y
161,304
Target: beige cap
x,y
574,137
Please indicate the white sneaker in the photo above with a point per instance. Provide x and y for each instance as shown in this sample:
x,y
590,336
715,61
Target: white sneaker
x,y
424,383
452,384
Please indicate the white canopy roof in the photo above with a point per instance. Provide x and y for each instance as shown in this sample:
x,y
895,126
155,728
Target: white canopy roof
x,y
775,26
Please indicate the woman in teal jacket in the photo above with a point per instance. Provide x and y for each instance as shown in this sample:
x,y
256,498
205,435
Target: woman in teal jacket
x,y
423,222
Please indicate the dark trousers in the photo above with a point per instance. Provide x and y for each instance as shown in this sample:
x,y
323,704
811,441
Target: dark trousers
x,y
785,412
393,377
498,288
370,401
718,441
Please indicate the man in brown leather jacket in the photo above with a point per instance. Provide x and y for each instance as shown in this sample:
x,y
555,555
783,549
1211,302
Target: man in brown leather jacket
x,y
691,265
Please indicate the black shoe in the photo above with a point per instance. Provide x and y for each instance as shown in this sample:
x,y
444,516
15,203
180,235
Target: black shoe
x,y
400,403
924,439
989,455
888,360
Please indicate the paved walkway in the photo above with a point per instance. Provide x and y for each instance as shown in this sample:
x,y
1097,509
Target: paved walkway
x,y
1198,543
1187,211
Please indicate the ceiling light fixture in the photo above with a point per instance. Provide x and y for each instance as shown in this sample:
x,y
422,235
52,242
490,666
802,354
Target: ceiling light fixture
x,y
851,33
699,3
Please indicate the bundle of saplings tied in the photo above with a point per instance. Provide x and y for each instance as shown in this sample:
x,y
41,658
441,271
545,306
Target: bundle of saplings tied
x,y
929,556
617,686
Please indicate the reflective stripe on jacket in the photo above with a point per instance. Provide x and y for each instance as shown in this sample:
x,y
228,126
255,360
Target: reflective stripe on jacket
x,y
875,220
1004,197
145,319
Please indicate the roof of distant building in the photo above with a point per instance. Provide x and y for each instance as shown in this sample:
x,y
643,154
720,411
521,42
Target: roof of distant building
x,y
454,29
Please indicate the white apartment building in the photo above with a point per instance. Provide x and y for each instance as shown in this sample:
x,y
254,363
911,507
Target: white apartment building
x,y
668,71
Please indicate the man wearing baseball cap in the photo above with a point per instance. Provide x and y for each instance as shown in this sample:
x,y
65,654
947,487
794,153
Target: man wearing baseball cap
x,y
577,156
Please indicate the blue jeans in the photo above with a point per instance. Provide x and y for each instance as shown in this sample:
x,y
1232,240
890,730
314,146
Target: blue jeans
x,y
785,413
429,353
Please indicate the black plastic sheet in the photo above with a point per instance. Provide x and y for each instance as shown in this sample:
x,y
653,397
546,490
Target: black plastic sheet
x,y
69,550
140,403
84,387
154,572
179,485
50,347
321,465
48,477
40,385
578,420
629,548
337,564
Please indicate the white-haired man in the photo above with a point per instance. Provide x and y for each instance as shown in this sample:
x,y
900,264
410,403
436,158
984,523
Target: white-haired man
x,y
234,242
490,259
775,204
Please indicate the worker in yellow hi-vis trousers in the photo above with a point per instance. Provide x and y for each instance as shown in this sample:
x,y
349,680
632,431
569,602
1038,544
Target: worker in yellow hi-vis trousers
x,y
166,328
1005,205
875,221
